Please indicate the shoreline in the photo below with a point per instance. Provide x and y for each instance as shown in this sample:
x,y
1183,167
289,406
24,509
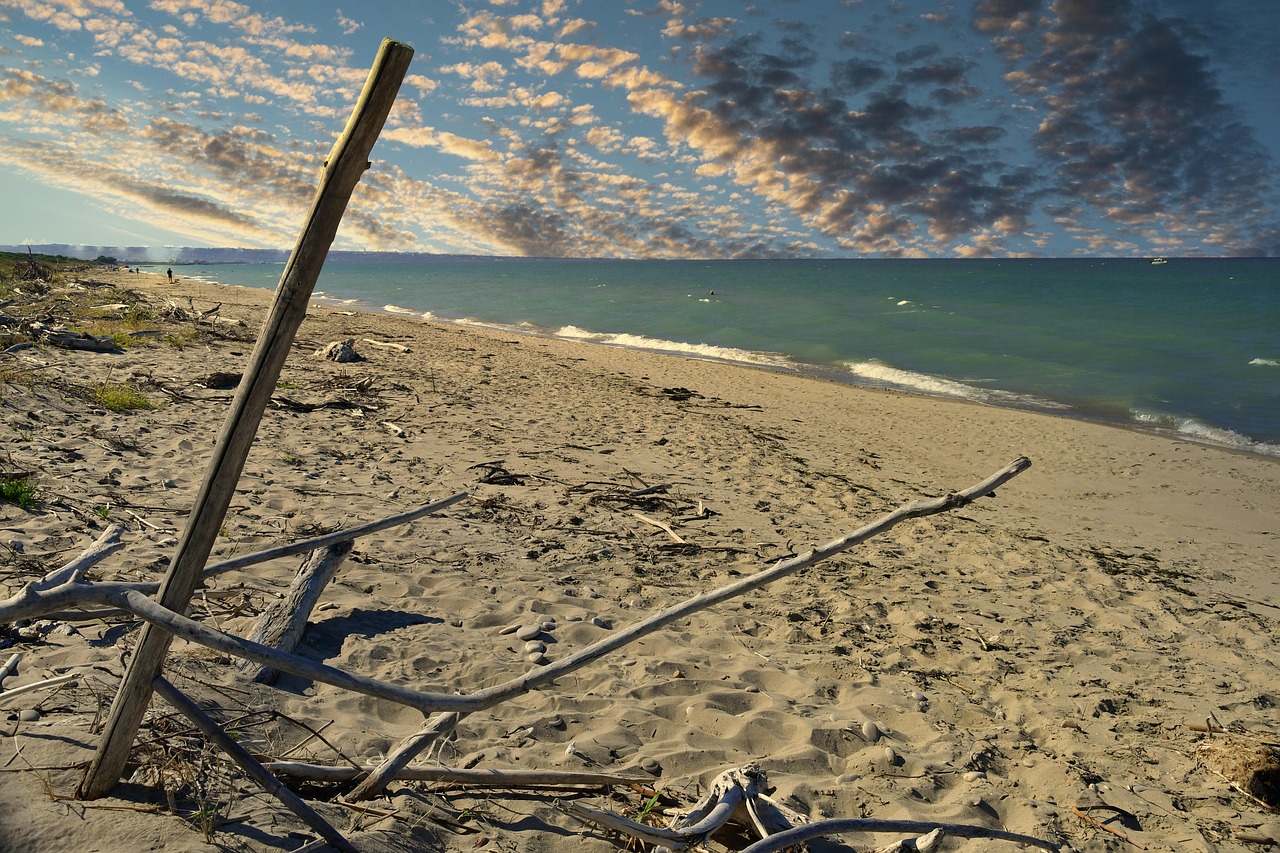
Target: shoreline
x,y
1042,650
1184,428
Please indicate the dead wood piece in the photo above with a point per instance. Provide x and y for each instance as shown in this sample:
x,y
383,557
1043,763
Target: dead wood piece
x,y
342,352
9,667
733,792
39,685
329,402
386,345
237,753
283,622
68,339
412,746
798,835
661,526
505,778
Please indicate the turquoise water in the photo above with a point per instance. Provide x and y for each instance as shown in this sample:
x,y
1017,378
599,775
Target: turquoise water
x,y
1189,347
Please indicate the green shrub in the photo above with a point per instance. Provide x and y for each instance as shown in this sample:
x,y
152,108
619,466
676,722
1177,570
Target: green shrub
x,y
121,397
20,490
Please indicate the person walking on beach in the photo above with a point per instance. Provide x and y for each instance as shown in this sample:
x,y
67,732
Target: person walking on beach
x,y
170,275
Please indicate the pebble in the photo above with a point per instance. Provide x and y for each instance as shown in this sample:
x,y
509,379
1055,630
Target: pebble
x,y
651,765
537,658
890,755
871,731
974,776
510,629
600,623
535,646
28,715
528,632
918,696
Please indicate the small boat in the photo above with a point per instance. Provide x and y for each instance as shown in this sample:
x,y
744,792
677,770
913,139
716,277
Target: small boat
x,y
1155,261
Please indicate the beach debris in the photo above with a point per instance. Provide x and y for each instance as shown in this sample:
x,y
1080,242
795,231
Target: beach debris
x,y
342,352
836,826
65,587
386,345
40,685
661,526
190,314
282,624
736,794
61,336
221,380
495,474
1082,812
1250,766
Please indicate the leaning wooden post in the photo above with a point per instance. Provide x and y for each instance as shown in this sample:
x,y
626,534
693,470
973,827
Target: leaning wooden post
x,y
342,170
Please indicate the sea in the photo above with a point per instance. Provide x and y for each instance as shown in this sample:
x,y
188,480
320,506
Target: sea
x,y
1188,347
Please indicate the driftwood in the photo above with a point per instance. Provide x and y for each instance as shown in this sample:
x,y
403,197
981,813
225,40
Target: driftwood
x,y
386,345
739,791
413,745
512,778
61,336
210,729
800,834
346,163
734,793
65,589
283,622
739,794
40,685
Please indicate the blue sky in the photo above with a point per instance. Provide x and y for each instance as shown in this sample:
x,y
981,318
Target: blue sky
x,y
723,128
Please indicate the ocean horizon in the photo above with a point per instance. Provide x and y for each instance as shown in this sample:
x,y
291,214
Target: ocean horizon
x,y
1188,348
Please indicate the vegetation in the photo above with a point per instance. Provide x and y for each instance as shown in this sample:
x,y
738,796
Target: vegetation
x,y
18,489
120,397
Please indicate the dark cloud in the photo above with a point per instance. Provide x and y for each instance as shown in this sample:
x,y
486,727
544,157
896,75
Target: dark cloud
x,y
855,75
1135,126
944,73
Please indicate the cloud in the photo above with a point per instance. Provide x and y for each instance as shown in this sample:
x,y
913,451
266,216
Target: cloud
x,y
347,25
1135,126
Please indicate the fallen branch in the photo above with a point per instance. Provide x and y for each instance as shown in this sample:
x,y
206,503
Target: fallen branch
x,y
73,591
413,745
661,526
39,685
732,792
506,779
386,345
210,729
800,834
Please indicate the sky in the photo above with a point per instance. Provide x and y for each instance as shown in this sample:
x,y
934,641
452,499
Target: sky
x,y
654,129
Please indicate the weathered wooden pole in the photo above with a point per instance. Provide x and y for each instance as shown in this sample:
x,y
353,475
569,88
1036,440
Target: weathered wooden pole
x,y
342,170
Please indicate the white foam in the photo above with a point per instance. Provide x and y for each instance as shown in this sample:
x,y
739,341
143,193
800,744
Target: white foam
x,y
1265,362
396,309
1195,430
878,373
707,351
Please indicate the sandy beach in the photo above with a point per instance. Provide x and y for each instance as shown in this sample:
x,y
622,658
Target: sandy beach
x,y
1038,662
